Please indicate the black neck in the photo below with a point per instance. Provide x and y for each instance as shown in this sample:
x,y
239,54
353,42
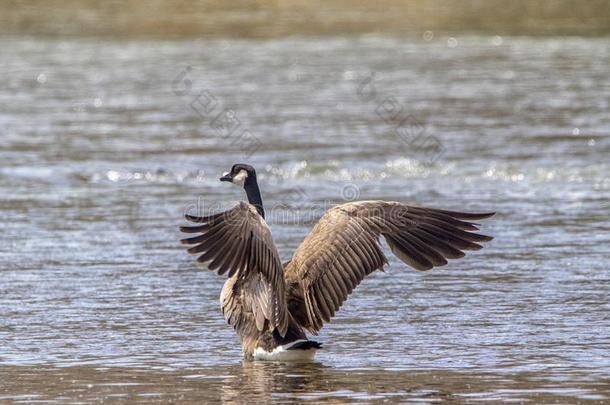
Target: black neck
x,y
254,196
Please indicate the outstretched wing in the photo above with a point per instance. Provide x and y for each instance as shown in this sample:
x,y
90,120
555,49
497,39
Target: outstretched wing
x,y
238,242
343,248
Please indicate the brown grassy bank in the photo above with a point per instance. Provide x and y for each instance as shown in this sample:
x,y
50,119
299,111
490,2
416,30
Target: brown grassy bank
x,y
256,18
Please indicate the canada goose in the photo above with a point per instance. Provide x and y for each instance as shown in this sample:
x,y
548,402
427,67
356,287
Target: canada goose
x,y
271,305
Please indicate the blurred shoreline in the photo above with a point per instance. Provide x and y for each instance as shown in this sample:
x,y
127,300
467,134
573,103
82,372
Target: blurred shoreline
x,y
262,19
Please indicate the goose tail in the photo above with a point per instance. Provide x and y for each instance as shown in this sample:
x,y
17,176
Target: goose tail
x,y
304,345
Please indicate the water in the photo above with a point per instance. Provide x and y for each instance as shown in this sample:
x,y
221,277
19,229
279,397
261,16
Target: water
x,y
105,144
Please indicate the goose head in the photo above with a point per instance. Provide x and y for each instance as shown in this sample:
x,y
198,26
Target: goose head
x,y
241,175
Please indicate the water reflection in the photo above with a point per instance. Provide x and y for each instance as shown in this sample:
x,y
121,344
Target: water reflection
x,y
257,382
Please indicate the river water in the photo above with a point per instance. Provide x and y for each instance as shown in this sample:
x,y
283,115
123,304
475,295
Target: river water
x,y
106,143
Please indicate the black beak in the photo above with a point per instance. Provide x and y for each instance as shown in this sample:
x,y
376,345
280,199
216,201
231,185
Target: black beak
x,y
226,177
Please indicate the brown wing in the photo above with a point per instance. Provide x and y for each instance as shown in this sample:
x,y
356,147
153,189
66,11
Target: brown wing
x,y
343,248
239,242
244,303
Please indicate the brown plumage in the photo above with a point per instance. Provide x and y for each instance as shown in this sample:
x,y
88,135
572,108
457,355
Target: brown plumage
x,y
270,305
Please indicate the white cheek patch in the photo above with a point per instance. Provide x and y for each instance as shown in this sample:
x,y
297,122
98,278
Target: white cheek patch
x,y
240,178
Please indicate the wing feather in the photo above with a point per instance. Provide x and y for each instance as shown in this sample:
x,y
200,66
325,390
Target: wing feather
x,y
239,242
343,248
